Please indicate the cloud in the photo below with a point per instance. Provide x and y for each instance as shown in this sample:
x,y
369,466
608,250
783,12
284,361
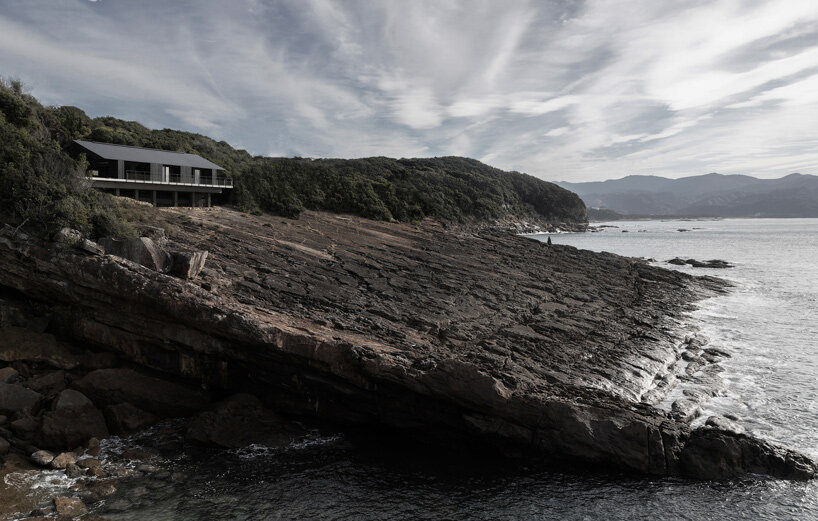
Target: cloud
x,y
588,89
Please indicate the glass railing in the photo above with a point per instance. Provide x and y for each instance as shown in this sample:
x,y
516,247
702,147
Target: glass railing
x,y
141,175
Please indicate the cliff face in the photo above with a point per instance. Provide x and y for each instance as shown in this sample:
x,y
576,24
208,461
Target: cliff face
x,y
483,336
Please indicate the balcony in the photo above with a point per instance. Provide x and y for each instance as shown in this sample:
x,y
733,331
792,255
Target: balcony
x,y
142,176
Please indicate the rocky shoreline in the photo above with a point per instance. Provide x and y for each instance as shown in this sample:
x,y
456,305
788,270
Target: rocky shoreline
x,y
537,350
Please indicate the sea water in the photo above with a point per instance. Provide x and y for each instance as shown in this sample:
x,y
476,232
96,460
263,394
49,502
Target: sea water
x,y
767,323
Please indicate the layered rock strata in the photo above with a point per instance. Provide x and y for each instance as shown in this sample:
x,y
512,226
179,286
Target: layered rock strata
x,y
483,336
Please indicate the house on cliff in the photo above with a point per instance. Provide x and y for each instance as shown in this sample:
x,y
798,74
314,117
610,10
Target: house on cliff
x,y
161,177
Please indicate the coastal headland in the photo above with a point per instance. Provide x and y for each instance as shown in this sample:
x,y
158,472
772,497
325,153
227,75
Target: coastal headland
x,y
457,334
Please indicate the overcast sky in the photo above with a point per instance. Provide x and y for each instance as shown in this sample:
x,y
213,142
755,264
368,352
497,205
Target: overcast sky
x,y
564,90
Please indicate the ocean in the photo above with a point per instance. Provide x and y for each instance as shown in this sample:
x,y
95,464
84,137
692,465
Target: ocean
x,y
768,323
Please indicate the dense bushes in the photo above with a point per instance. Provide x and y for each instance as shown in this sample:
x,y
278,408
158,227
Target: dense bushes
x,y
41,183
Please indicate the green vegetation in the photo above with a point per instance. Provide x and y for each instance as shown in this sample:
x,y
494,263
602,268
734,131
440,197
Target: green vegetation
x,y
40,182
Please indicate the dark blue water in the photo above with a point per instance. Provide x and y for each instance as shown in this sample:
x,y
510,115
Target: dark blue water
x,y
768,323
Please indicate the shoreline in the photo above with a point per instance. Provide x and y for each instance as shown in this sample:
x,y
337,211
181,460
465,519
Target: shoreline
x,y
429,377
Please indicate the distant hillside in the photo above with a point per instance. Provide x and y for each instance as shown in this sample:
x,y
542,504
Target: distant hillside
x,y
711,195
40,182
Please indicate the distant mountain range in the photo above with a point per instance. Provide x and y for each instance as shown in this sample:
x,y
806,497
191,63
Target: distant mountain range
x,y
711,195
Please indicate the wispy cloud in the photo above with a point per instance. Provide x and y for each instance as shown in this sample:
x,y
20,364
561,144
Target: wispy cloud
x,y
588,89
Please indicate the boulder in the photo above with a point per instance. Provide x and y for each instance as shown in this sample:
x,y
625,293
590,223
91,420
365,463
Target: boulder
x,y
141,250
15,398
99,491
42,457
63,459
20,344
93,448
48,384
685,410
124,418
716,454
239,421
4,446
69,506
154,233
70,399
724,424
74,238
25,427
9,375
74,471
89,463
160,397
188,265
71,427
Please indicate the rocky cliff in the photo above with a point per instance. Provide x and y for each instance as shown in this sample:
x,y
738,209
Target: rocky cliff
x,y
532,348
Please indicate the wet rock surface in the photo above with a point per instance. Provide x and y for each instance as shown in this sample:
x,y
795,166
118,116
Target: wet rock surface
x,y
477,334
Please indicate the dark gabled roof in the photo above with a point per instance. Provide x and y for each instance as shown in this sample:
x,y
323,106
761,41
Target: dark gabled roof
x,y
146,155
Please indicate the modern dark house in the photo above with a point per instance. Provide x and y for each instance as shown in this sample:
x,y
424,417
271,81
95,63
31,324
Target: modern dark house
x,y
160,177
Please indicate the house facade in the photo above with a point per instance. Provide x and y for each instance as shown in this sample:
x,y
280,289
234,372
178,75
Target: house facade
x,y
161,177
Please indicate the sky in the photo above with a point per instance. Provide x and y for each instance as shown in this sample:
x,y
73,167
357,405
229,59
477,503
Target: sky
x,y
574,90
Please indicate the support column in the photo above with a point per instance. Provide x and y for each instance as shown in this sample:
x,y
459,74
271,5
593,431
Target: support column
x,y
208,200
175,198
154,197
193,199
136,194
117,192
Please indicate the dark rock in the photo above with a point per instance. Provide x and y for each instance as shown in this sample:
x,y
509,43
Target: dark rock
x,y
69,506
685,410
42,457
15,398
724,424
188,265
89,463
92,448
716,352
4,446
72,470
400,325
135,454
70,399
19,344
101,360
124,418
8,375
141,250
99,491
48,384
160,397
239,421
713,263
154,233
74,239
71,427
25,427
712,453
63,459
